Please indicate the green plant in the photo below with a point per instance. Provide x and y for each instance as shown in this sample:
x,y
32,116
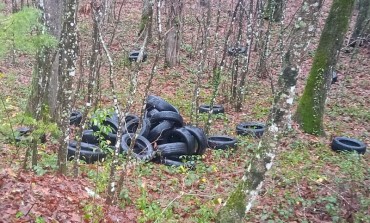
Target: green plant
x,y
93,212
17,32
150,210
47,162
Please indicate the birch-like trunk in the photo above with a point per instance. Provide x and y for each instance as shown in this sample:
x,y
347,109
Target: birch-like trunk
x,y
242,198
95,63
41,73
310,111
67,67
173,34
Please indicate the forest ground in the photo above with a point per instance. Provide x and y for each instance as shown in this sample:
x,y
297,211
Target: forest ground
x,y
308,183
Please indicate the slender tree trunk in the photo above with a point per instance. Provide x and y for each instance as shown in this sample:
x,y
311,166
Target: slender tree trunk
x,y
146,23
310,111
35,107
67,68
173,35
362,19
241,200
93,70
275,10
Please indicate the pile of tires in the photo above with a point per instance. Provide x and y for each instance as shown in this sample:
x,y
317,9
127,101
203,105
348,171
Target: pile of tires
x,y
162,138
172,140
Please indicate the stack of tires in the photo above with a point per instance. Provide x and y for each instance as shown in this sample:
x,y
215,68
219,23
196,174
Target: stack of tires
x,y
171,138
163,137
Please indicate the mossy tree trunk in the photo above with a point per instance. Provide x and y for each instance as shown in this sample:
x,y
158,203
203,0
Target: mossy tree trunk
x,y
362,19
173,34
67,67
242,198
310,111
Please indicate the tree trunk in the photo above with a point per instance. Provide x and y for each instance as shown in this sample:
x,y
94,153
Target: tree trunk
x,y
275,10
146,23
241,200
173,36
41,73
362,19
310,111
67,68
54,13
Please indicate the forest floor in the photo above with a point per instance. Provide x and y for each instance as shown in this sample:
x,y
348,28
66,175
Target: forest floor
x,y
308,182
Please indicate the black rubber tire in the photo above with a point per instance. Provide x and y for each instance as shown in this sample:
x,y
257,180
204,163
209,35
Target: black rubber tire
x,y
149,113
175,163
130,117
143,150
24,132
171,116
89,153
159,103
160,131
233,51
132,126
201,138
340,144
217,109
135,54
183,135
255,129
89,137
75,118
172,149
221,142
107,122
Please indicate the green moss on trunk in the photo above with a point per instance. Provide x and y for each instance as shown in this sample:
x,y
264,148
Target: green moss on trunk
x,y
311,106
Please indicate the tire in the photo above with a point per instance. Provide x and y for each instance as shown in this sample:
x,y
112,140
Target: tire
x,y
171,116
89,137
89,153
109,121
217,109
201,138
24,132
221,142
234,51
135,54
150,113
160,131
183,135
254,129
142,149
340,144
75,118
132,126
159,103
172,149
175,163
130,117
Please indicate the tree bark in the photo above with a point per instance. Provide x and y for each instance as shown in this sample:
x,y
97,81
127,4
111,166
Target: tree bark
x,y
67,67
362,19
146,23
310,111
173,35
54,14
242,198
